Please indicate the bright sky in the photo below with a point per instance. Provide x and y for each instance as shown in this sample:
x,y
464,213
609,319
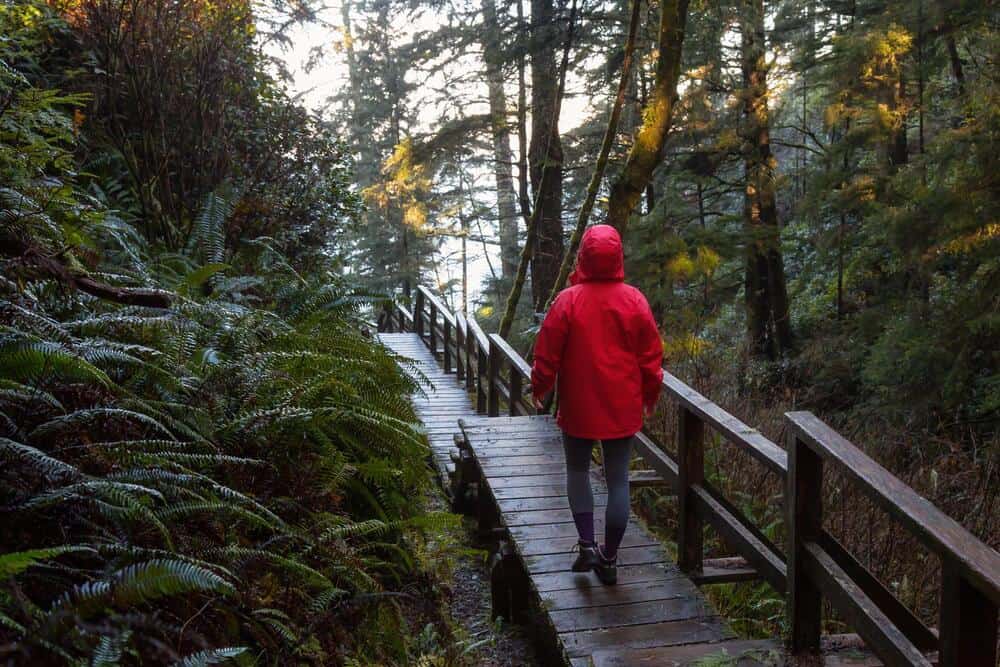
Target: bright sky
x,y
326,79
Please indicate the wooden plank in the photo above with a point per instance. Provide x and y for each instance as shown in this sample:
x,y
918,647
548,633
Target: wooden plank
x,y
643,636
558,490
560,562
635,613
564,545
622,593
502,460
742,652
517,449
639,479
724,571
505,420
977,562
556,479
534,470
556,530
650,573
562,515
531,504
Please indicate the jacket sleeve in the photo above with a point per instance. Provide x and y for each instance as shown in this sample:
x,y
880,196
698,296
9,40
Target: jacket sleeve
x,y
549,348
649,353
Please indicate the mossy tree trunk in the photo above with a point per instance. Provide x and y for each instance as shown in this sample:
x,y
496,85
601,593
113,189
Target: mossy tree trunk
x,y
645,153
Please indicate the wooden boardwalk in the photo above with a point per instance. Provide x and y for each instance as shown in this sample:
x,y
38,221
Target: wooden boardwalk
x,y
655,615
509,471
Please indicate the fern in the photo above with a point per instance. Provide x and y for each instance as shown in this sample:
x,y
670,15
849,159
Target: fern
x,y
25,360
12,564
109,650
208,236
210,657
143,582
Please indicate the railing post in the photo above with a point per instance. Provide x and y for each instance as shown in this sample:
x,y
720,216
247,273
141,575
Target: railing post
x,y
804,521
431,326
492,378
418,313
968,623
481,389
446,344
459,347
515,389
470,352
691,471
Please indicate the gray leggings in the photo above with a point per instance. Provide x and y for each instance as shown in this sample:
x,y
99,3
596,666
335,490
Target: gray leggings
x,y
581,499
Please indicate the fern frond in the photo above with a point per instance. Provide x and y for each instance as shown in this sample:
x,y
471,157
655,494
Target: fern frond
x,y
210,657
16,562
144,582
109,650
86,418
51,467
26,360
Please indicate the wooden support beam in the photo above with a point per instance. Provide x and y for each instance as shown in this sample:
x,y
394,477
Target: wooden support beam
x,y
691,471
804,507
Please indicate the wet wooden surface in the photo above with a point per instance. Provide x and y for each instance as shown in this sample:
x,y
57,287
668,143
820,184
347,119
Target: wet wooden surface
x,y
521,460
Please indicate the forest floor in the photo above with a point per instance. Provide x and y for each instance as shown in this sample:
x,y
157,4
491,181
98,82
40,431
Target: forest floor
x,y
465,599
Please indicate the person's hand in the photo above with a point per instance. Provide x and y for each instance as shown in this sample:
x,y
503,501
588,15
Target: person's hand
x,y
537,402
647,411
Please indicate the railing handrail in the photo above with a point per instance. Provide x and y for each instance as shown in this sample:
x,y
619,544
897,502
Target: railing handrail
x,y
482,340
440,305
517,362
938,531
758,445
813,564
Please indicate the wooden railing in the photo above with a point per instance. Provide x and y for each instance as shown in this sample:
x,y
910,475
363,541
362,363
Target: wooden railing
x,y
816,566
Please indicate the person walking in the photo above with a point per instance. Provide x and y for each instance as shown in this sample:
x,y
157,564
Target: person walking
x,y
600,342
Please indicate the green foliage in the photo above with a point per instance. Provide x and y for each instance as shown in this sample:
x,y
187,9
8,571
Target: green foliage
x,y
230,479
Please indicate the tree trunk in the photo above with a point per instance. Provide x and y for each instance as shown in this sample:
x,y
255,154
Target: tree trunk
x,y
768,327
645,153
956,65
532,225
545,152
602,159
522,123
503,158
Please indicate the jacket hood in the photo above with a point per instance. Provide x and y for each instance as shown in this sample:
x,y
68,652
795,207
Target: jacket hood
x,y
600,256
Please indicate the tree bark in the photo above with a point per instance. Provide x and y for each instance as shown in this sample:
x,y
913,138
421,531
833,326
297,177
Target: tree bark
x,y
503,158
522,124
645,153
529,240
768,327
602,159
956,65
545,152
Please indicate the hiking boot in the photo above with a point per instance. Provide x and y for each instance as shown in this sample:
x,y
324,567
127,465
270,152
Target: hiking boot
x,y
587,558
606,569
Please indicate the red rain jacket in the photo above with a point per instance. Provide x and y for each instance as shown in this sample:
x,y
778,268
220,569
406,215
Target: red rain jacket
x,y
600,339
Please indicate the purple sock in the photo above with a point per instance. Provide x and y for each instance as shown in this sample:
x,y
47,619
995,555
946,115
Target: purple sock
x,y
585,526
